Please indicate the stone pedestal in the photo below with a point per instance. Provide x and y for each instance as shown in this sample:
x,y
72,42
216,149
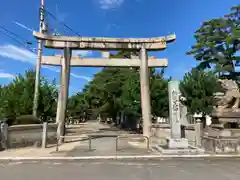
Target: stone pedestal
x,y
181,143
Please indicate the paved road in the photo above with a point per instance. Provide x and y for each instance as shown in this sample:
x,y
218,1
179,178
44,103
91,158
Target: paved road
x,y
188,169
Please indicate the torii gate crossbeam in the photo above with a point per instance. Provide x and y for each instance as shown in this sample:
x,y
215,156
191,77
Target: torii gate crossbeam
x,y
101,43
102,62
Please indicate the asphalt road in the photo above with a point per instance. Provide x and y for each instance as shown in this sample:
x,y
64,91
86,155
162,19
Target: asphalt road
x,y
187,169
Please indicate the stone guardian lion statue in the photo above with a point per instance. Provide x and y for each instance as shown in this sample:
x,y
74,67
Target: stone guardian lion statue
x,y
231,97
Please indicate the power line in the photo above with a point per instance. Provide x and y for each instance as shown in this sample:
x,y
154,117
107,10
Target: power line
x,y
64,24
15,39
12,33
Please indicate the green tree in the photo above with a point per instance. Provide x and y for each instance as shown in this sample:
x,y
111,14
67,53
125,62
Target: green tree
x,y
17,97
114,90
159,94
7,106
234,18
130,98
77,104
47,100
217,43
104,92
198,87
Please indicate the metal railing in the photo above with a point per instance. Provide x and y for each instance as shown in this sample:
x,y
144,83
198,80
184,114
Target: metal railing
x,y
82,136
132,136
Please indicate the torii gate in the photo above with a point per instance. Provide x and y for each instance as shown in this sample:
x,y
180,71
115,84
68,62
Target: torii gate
x,y
69,43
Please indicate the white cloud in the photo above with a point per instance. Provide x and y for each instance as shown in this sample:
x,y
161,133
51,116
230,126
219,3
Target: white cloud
x,y
23,26
72,74
6,75
50,68
110,4
81,77
20,54
113,4
17,53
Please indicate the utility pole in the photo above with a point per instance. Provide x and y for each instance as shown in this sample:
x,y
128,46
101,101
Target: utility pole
x,y
38,63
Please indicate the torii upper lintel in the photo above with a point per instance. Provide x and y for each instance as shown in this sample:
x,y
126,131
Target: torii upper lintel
x,y
104,43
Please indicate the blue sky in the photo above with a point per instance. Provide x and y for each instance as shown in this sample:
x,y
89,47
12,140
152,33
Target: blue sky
x,y
112,18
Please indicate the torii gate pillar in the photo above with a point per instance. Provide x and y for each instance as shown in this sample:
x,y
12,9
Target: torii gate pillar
x,y
145,92
63,93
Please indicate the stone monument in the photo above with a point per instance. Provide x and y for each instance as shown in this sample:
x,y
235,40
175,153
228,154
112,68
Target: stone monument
x,y
176,141
176,144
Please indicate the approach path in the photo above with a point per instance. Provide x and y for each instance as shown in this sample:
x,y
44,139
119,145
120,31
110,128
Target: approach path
x,y
104,142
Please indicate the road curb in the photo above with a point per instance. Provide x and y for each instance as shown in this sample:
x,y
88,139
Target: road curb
x,y
124,157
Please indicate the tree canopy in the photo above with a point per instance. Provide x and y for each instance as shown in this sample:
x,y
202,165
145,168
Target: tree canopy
x,y
198,88
17,97
217,43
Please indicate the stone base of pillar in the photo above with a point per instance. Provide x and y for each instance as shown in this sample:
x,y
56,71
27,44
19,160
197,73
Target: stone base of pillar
x,y
181,143
178,146
178,151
